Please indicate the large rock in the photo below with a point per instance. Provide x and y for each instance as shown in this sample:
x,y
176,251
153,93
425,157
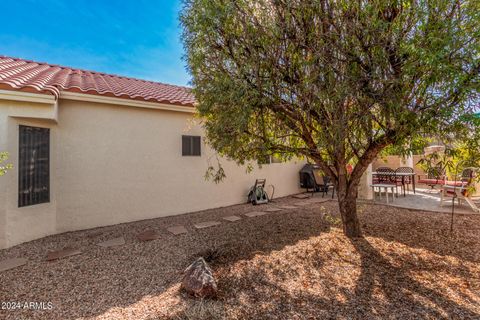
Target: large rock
x,y
198,280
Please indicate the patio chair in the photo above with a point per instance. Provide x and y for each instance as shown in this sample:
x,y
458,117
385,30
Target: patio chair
x,y
323,182
435,176
387,177
468,192
404,181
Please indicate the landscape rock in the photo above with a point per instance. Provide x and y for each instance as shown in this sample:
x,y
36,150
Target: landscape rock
x,y
198,280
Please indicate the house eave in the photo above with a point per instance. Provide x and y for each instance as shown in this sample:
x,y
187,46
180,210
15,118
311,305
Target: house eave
x,y
124,102
14,95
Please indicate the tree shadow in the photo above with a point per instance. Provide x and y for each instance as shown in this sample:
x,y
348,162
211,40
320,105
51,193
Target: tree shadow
x,y
382,291
405,296
424,230
385,288
263,292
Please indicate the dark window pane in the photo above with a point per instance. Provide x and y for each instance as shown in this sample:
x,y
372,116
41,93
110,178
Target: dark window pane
x,y
191,146
185,145
34,166
196,146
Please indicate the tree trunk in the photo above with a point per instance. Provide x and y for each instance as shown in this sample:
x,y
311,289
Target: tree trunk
x,y
347,202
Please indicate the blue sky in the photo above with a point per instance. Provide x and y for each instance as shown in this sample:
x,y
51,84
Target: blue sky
x,y
135,38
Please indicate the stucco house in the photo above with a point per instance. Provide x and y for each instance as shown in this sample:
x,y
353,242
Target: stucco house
x,y
91,149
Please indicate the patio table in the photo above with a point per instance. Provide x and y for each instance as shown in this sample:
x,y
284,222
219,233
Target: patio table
x,y
400,175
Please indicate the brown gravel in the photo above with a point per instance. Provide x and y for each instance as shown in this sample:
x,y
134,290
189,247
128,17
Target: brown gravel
x,y
291,264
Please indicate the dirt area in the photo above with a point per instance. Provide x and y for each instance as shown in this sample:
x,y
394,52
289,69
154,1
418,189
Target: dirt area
x,y
291,264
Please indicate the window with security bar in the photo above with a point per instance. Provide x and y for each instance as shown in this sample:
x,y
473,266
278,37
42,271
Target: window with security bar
x,y
33,166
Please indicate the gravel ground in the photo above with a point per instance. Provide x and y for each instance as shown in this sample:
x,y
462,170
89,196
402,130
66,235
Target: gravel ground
x,y
292,264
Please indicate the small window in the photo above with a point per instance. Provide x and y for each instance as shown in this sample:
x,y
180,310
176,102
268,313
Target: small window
x,y
33,166
269,160
191,146
264,160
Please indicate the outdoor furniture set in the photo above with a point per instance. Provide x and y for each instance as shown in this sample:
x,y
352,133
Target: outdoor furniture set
x,y
466,188
386,179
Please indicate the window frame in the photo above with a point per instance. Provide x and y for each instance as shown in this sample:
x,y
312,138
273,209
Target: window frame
x,y
39,137
270,159
192,139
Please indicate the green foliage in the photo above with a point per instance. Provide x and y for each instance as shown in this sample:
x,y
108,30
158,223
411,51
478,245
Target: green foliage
x,y
332,220
438,164
459,154
416,145
468,148
4,167
332,81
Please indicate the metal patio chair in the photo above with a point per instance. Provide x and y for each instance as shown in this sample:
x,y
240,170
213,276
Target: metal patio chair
x,y
404,181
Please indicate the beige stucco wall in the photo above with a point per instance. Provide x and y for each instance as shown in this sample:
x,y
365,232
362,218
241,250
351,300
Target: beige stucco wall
x,y
364,190
387,161
27,223
3,183
112,164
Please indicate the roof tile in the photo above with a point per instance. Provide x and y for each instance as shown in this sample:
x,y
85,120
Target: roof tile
x,y
25,75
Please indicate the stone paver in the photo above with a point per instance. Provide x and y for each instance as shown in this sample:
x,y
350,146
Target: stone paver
x,y
206,224
177,230
148,235
301,204
232,218
320,200
120,241
302,196
255,214
68,252
273,209
288,207
12,263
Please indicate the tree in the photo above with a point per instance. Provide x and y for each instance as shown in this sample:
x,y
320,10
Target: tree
x,y
4,168
332,81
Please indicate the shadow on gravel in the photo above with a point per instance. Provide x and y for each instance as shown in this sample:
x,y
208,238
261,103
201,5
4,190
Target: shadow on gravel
x,y
406,297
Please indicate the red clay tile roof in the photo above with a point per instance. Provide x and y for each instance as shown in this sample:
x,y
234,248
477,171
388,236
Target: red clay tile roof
x,y
38,77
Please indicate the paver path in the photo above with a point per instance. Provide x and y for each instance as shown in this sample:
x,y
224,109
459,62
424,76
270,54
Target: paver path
x,y
206,224
148,235
273,210
288,207
12,263
319,200
232,218
302,203
255,213
120,241
67,252
177,230
302,196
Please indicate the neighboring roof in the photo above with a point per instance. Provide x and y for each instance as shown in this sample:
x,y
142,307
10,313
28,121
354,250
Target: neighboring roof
x,y
39,77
